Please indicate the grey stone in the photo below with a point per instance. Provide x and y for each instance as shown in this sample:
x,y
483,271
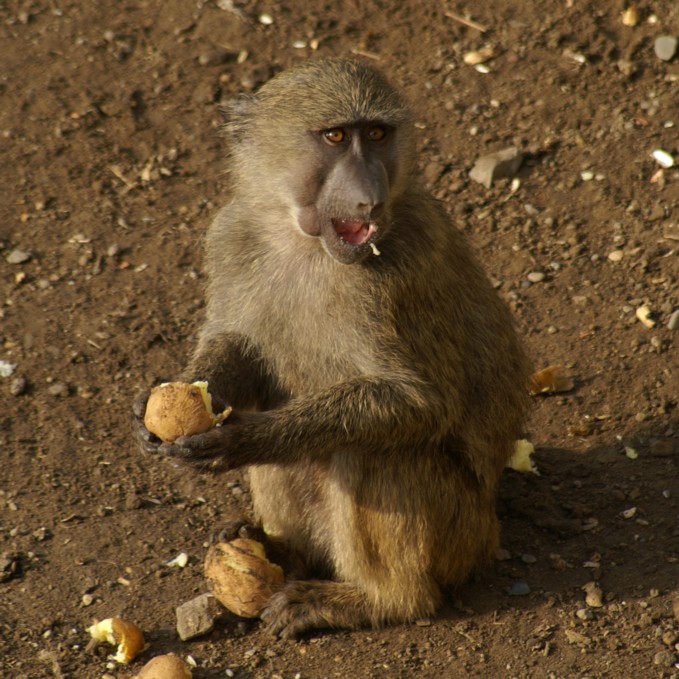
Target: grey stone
x,y
197,616
519,589
665,47
18,256
673,323
503,164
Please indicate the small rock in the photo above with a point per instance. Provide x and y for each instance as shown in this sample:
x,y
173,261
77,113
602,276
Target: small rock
x,y
576,638
593,595
669,638
113,250
519,589
663,659
18,386
673,323
197,616
665,47
217,57
626,67
58,389
616,255
536,276
528,558
500,165
18,256
41,534
630,17
666,161
584,613
671,231
479,56
87,600
643,314
10,566
7,368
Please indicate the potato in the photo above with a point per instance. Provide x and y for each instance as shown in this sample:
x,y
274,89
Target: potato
x,y
241,577
177,409
121,633
167,666
521,460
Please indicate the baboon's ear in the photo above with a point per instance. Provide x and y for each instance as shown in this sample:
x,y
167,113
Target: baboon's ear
x,y
237,114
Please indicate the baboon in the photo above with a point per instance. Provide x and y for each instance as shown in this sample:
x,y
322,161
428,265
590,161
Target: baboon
x,y
377,382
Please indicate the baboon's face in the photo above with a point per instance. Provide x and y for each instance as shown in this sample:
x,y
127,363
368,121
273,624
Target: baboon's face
x,y
346,203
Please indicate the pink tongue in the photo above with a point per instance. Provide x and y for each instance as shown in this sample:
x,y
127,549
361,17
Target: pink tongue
x,y
354,232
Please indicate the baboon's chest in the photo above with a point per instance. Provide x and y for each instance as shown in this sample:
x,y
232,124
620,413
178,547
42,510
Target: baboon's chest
x,y
313,332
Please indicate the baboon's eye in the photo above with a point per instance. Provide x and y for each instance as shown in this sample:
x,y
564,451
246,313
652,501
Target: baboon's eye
x,y
335,136
376,133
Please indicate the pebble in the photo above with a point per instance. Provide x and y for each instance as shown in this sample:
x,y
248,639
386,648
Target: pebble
x,y
528,558
574,637
18,256
669,638
536,276
663,659
58,389
7,368
584,613
665,160
503,164
593,595
217,57
616,255
630,17
113,250
671,232
197,616
519,589
643,314
665,47
18,386
673,323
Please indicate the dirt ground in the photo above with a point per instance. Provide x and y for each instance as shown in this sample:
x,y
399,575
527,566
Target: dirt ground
x,y
112,167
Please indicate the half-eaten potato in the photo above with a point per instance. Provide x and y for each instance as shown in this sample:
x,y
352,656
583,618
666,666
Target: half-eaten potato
x,y
177,409
241,577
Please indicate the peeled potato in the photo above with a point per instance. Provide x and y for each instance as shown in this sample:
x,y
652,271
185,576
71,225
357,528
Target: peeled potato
x,y
241,577
177,409
521,460
167,666
121,633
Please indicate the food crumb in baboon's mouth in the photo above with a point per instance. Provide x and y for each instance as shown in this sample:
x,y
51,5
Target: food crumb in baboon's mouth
x,y
354,231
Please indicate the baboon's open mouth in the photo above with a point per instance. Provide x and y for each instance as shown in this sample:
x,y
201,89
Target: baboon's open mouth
x,y
354,231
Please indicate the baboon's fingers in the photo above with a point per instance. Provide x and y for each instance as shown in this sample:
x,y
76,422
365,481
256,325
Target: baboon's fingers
x,y
146,441
199,448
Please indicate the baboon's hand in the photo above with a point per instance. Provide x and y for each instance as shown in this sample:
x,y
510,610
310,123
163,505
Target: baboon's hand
x,y
146,441
208,451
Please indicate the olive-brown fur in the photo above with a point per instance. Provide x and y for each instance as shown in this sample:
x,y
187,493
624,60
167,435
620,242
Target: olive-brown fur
x,y
376,402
